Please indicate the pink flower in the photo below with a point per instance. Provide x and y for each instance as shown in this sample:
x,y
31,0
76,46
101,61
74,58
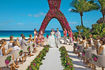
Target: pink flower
x,y
34,64
6,62
68,63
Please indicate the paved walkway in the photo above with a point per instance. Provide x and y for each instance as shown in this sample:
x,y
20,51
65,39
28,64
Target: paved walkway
x,y
52,60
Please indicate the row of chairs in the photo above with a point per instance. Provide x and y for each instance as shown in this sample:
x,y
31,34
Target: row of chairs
x,y
91,56
17,55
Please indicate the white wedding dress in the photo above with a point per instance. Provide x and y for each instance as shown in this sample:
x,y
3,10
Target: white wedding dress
x,y
51,40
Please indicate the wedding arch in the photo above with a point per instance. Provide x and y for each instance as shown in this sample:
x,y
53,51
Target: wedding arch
x,y
55,12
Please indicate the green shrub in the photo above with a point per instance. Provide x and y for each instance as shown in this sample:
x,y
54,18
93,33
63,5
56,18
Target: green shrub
x,y
66,61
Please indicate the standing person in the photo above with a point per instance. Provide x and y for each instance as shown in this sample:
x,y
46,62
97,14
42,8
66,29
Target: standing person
x,y
51,39
35,35
20,39
65,34
70,36
58,36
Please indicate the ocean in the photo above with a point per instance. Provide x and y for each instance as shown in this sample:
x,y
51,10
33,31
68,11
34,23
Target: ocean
x,y
7,34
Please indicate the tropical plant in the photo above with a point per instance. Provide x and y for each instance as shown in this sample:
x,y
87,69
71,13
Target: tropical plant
x,y
35,64
102,6
66,61
81,6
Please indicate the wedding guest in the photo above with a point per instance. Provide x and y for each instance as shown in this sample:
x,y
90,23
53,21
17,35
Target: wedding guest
x,y
84,42
101,50
23,42
47,36
15,46
92,42
42,40
17,42
30,40
20,39
10,44
3,51
35,35
70,36
39,40
65,32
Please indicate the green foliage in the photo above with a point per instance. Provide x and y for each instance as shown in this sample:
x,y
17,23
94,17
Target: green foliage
x,y
81,6
35,64
98,30
66,61
102,4
83,31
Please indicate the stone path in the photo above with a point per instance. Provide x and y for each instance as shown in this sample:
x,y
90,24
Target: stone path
x,y
52,60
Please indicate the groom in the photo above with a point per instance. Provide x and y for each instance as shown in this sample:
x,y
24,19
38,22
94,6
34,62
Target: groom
x,y
58,36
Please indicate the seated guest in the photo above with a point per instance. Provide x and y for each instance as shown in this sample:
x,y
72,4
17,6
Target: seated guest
x,y
84,42
101,50
92,42
39,40
30,40
17,42
10,42
42,40
4,52
15,46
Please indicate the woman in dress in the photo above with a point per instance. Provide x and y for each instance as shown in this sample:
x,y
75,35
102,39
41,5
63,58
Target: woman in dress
x,y
70,36
35,35
51,39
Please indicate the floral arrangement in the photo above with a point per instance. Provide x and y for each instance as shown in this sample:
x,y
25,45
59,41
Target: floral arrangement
x,y
95,58
83,53
35,64
33,45
66,61
8,59
21,52
28,49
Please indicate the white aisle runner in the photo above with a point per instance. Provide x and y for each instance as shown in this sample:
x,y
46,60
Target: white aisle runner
x,y
52,60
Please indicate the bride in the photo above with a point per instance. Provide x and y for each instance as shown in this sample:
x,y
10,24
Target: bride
x,y
51,39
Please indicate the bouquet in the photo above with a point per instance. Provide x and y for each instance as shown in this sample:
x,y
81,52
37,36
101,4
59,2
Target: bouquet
x,y
8,59
83,53
95,58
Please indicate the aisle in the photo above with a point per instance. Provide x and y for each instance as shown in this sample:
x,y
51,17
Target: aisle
x,y
52,60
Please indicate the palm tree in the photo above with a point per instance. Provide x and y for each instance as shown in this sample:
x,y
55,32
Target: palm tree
x,y
81,6
102,5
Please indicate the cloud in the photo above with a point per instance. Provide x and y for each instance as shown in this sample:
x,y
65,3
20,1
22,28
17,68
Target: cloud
x,y
30,15
73,22
37,15
69,9
20,23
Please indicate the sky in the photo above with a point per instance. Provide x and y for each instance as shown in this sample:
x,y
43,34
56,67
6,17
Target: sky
x,y
29,14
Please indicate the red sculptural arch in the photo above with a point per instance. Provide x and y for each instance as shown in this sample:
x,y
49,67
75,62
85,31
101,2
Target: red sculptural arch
x,y
55,12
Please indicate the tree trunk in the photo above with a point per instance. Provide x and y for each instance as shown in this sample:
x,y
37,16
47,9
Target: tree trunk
x,y
81,14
